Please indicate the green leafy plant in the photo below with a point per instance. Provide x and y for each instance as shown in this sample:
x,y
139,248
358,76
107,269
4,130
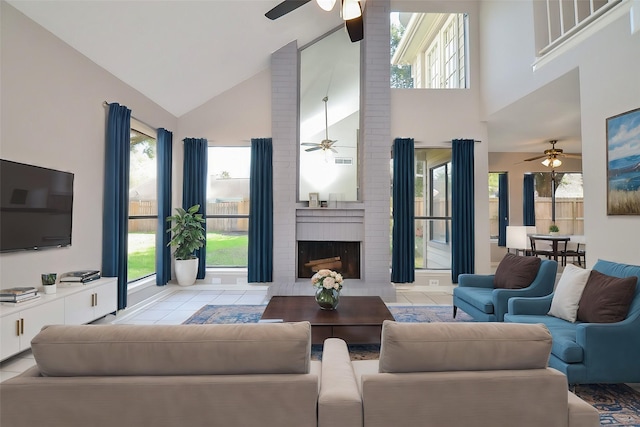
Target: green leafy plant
x,y
188,232
553,228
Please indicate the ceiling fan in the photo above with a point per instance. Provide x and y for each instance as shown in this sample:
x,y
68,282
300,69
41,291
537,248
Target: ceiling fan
x,y
551,156
350,10
326,143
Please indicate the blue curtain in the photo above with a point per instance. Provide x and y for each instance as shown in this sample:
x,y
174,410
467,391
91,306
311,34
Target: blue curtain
x,y
116,198
462,208
260,268
503,208
163,251
403,242
194,186
528,200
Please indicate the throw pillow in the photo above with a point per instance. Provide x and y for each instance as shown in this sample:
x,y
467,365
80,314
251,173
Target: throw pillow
x,y
566,297
606,299
516,272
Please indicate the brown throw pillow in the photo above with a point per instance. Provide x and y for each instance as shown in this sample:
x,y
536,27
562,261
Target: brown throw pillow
x,y
606,299
516,272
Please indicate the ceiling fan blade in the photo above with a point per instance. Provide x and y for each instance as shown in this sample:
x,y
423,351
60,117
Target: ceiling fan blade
x,y
313,149
333,149
285,7
355,28
309,143
535,158
572,156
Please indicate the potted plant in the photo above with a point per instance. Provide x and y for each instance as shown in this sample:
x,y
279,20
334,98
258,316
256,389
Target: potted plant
x,y
188,234
553,229
49,283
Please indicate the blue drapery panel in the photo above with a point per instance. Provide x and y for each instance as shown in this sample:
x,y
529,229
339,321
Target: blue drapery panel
x,y
116,198
503,208
462,208
194,186
260,268
529,200
403,246
163,251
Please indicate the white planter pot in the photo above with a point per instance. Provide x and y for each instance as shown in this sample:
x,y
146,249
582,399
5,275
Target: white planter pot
x,y
186,271
50,289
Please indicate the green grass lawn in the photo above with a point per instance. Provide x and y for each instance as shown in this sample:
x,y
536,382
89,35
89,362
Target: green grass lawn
x,y
222,250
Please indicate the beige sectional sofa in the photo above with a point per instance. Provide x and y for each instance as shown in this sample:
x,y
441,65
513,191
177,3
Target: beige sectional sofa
x,y
453,374
460,374
166,376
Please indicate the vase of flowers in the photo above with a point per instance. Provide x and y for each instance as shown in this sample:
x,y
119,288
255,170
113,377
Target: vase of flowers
x,y
328,285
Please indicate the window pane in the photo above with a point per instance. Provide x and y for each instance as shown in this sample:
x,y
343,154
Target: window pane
x,y
228,206
569,203
493,204
428,50
142,203
430,253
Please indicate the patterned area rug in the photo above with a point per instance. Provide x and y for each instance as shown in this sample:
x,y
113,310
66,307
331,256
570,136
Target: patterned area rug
x,y
618,404
252,313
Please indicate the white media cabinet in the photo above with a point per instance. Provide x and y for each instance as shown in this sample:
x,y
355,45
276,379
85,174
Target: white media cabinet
x,y
72,304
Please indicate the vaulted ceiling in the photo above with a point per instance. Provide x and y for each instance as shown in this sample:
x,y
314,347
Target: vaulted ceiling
x,y
182,53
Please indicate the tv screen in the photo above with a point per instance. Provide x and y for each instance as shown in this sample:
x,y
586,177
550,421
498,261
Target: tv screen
x,y
35,208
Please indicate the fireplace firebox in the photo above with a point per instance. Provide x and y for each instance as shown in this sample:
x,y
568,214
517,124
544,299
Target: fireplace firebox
x,y
343,257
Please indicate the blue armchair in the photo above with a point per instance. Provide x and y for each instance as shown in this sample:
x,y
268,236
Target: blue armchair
x,y
589,353
476,296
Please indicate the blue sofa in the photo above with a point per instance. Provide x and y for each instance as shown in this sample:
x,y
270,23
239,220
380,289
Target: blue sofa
x,y
589,352
476,296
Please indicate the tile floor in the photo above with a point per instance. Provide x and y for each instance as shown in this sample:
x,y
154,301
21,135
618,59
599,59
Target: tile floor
x,y
176,304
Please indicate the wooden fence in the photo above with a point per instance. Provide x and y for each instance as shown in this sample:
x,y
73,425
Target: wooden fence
x,y
569,216
218,225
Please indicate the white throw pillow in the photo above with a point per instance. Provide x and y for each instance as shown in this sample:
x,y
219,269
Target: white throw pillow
x,y
564,304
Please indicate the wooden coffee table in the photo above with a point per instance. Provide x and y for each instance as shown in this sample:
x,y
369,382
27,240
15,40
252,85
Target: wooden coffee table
x,y
357,320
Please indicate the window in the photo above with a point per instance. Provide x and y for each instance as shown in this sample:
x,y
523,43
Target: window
x,y
143,206
428,50
432,209
228,206
494,189
568,208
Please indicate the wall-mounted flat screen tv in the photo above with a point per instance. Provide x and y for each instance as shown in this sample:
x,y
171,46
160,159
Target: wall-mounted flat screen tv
x,y
36,207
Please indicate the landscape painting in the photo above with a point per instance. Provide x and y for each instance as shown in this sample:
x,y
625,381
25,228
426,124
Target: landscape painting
x,y
623,163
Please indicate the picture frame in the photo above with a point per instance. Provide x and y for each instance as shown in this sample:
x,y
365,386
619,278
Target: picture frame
x,y
314,200
623,157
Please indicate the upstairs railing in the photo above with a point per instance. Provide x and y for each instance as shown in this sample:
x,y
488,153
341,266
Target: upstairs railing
x,y
567,17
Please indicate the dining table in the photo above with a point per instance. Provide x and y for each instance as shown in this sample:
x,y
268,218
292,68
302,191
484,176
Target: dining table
x,y
555,239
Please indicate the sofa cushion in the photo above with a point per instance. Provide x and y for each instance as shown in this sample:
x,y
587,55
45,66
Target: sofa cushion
x,y
110,350
564,345
516,272
480,298
566,297
435,347
606,299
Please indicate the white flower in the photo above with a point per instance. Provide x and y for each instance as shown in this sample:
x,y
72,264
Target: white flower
x,y
327,279
329,283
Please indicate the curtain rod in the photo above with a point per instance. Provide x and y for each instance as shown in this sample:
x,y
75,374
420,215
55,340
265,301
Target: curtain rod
x,y
106,104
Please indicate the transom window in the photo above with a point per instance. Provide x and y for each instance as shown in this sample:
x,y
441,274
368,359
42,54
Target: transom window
x,y
428,50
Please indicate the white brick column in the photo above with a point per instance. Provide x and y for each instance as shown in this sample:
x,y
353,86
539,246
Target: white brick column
x,y
284,128
376,144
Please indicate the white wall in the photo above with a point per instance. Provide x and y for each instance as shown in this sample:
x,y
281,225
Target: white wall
x,y
609,65
52,116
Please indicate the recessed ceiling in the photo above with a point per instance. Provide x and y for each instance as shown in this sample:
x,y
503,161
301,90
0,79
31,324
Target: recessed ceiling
x,y
550,112
179,54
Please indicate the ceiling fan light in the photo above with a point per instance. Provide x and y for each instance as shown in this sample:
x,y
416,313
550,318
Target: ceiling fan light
x,y
552,162
326,4
350,10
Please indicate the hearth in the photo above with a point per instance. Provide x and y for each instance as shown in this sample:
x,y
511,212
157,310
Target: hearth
x,y
343,257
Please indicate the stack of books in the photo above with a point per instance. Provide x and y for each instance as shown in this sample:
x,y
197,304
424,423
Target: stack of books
x,y
82,276
18,295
